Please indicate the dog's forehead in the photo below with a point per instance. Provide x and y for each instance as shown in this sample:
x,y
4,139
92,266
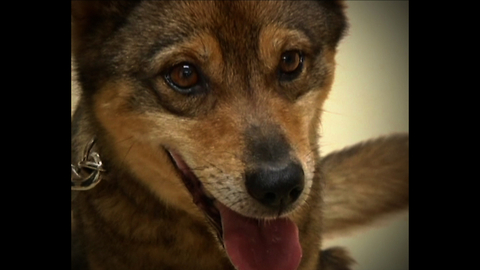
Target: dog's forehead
x,y
235,25
230,21
238,14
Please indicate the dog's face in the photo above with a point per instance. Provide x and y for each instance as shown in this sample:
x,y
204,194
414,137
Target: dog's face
x,y
223,98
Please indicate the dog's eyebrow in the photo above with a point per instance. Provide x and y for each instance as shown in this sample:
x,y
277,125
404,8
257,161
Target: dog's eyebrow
x,y
161,44
308,35
198,48
273,40
158,53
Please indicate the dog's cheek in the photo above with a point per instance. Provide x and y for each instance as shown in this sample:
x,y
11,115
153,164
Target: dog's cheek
x,y
127,112
136,140
110,106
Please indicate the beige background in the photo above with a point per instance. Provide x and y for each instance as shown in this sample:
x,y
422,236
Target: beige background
x,y
369,99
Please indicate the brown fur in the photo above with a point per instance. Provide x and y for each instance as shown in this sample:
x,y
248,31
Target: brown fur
x,y
141,216
361,168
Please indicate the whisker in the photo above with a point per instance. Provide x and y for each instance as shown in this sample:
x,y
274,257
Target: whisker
x,y
128,151
124,140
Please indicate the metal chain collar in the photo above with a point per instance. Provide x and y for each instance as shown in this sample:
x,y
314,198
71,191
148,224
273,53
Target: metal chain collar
x,y
87,173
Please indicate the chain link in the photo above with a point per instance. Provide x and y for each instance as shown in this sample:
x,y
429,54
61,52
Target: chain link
x,y
87,173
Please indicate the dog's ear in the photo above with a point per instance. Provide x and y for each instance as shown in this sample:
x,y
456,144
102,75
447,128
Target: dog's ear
x,y
94,20
336,22
365,182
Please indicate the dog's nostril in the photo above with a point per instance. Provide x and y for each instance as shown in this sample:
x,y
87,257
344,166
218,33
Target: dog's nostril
x,y
275,187
295,193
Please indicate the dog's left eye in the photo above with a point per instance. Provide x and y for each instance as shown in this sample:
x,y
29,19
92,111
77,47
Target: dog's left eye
x,y
183,77
291,64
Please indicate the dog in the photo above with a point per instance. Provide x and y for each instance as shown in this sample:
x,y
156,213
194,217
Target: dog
x,y
204,118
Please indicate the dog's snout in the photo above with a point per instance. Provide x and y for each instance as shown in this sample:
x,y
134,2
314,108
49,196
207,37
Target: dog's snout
x,y
275,186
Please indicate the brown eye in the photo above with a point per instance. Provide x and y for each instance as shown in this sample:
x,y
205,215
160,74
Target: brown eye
x,y
183,77
291,63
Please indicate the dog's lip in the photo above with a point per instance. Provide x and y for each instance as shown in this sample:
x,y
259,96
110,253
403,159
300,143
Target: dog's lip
x,y
187,174
201,197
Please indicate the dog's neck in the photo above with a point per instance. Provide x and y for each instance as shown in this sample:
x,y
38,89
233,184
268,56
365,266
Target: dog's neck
x,y
125,209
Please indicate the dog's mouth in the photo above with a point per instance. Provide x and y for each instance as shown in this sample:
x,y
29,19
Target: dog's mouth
x,y
251,244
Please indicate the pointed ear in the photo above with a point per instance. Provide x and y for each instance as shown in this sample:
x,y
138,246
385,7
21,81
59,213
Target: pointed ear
x,y
94,20
336,22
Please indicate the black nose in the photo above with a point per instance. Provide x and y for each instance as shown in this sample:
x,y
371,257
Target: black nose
x,y
275,186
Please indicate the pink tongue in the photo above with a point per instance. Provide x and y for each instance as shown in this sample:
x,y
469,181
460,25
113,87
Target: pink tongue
x,y
260,245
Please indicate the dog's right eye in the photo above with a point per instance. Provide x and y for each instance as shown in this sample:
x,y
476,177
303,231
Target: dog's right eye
x,y
291,65
184,78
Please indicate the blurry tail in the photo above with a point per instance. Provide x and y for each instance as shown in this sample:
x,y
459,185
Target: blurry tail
x,y
365,182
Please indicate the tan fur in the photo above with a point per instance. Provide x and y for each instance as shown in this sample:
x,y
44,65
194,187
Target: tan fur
x,y
131,137
141,216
